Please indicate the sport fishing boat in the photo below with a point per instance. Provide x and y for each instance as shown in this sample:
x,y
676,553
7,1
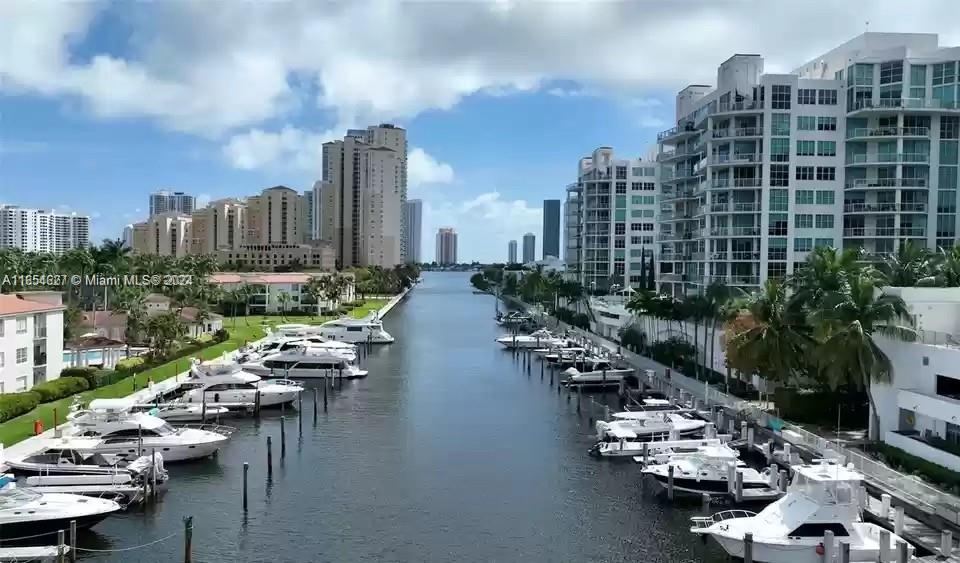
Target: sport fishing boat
x,y
821,497
708,471
537,339
54,459
595,378
646,426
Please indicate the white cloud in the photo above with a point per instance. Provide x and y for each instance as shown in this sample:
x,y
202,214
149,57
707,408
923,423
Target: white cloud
x,y
211,67
203,200
484,224
290,147
424,169
651,121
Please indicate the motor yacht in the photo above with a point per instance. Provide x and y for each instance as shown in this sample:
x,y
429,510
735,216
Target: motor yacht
x,y
514,318
537,339
305,362
646,426
132,434
658,451
821,497
178,411
710,471
595,378
25,512
227,383
78,459
355,331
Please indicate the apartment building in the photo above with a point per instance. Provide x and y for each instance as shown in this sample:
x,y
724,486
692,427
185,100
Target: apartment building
x,y
610,220
413,230
529,248
168,202
446,246
37,230
31,339
551,229
512,252
277,216
167,234
219,226
762,168
266,289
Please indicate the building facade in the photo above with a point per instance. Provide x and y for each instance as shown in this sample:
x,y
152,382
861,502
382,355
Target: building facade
x,y
529,248
168,202
267,287
362,194
610,220
221,225
512,252
37,230
31,339
277,216
446,246
551,228
167,234
413,229
856,149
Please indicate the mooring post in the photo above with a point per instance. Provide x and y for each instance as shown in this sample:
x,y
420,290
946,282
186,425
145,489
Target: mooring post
x,y
845,552
748,547
898,520
314,405
738,491
324,395
784,481
670,482
828,546
946,543
541,368
269,456
73,540
61,545
903,552
246,470
768,450
646,452
884,546
283,437
153,472
885,506
188,539
705,502
578,399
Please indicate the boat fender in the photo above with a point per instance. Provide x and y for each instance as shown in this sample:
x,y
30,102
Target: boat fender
x,y
820,549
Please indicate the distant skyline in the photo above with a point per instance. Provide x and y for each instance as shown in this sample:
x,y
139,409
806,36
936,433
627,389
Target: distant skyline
x,y
105,102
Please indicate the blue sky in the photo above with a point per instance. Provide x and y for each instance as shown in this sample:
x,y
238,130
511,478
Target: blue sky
x,y
103,103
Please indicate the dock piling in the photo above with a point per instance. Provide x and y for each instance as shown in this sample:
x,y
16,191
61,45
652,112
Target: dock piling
x,y
269,457
283,437
748,547
845,552
885,506
828,545
646,451
188,539
738,487
61,543
246,471
670,482
946,543
903,552
314,405
898,520
73,540
784,481
705,502
324,395
884,546
153,473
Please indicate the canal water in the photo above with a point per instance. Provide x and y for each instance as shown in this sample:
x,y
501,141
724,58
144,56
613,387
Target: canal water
x,y
448,451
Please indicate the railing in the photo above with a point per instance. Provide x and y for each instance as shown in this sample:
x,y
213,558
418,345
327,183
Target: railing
x,y
735,231
883,207
39,332
905,103
862,183
937,338
680,128
869,232
734,207
736,159
888,132
739,106
745,256
887,158
739,132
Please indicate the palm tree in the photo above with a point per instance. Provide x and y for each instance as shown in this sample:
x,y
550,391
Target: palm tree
x,y
163,330
317,288
719,298
911,265
826,270
946,268
78,261
283,298
131,301
849,320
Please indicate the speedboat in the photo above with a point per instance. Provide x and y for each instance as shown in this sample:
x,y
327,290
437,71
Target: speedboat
x,y
658,451
355,331
74,460
133,434
821,497
178,411
305,362
647,426
536,339
228,383
25,512
514,318
709,471
595,378
126,481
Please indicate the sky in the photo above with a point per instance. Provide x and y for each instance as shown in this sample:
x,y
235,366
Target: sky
x,y
102,103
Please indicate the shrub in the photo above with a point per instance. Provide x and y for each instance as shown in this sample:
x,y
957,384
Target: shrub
x,y
107,377
86,372
13,405
814,406
914,465
221,335
60,388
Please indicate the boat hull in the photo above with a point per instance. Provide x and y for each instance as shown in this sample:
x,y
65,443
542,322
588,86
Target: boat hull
x,y
15,530
709,486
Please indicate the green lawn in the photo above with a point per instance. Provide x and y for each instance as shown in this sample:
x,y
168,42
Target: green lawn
x,y
241,329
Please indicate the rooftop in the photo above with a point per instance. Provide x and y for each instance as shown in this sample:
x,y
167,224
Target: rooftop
x,y
16,305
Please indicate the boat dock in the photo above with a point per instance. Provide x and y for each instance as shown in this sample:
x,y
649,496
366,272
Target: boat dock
x,y
38,553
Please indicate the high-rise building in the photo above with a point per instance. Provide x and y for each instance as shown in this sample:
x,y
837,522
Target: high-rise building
x,y
529,248
512,252
218,226
127,237
413,225
309,213
362,193
551,228
276,216
167,234
37,230
855,149
167,202
610,220
446,246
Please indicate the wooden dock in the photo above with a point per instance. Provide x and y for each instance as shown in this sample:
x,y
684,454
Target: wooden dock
x,y
38,553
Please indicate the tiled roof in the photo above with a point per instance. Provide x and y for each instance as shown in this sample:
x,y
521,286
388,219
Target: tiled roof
x,y
13,305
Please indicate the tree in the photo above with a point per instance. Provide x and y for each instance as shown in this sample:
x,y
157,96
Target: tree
x,y
131,301
509,284
945,268
164,330
479,282
909,266
826,270
283,298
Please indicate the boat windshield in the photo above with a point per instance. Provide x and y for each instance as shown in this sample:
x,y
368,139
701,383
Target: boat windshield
x,y
12,498
165,430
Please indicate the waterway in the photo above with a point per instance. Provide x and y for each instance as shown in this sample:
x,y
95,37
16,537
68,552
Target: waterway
x,y
448,451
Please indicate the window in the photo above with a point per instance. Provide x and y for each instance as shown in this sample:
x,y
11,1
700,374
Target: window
x,y
891,72
806,148
621,172
826,124
778,224
806,96
1,360
649,186
21,355
944,73
21,325
779,150
779,200
918,75
824,197
621,187
804,197
780,124
816,530
826,148
863,75
827,97
802,245
780,96
648,227
803,221
824,221
806,122
620,228
779,175
826,173
823,243
635,186
804,172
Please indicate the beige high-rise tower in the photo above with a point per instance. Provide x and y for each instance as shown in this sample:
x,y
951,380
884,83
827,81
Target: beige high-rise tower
x,y
361,196
219,226
276,216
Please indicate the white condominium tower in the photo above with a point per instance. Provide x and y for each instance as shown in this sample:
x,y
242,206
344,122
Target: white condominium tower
x,y
855,149
362,194
529,248
413,230
168,202
36,230
610,220
446,246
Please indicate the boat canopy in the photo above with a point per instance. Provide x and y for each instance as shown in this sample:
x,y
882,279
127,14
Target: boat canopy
x,y
785,515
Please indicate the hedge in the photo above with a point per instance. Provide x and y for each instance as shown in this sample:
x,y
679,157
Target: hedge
x,y
13,405
86,372
907,463
60,388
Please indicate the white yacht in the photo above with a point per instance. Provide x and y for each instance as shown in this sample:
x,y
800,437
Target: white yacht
x,y
822,497
185,412
355,331
24,512
596,378
658,451
227,383
133,434
646,426
710,471
76,460
306,362
537,339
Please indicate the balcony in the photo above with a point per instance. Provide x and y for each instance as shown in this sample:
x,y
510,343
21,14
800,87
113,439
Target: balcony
x,y
885,208
859,232
676,154
886,132
735,232
39,332
731,207
736,159
682,130
899,104
676,195
732,280
738,132
746,105
886,159
884,183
